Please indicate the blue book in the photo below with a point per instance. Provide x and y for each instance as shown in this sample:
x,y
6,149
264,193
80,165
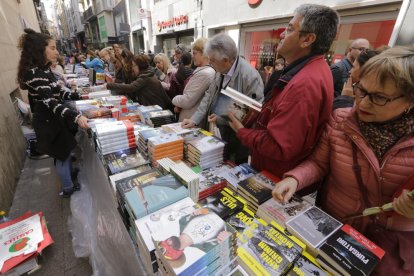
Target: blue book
x,y
148,197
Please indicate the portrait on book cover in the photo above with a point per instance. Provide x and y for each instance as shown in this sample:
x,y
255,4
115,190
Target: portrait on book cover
x,y
199,233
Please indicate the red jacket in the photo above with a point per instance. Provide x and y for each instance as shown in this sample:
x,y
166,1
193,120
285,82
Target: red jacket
x,y
341,196
291,122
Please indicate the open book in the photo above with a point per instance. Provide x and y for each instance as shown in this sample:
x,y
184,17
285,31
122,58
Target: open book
x,y
245,109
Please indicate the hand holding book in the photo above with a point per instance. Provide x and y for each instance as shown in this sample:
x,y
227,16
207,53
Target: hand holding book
x,y
234,122
285,189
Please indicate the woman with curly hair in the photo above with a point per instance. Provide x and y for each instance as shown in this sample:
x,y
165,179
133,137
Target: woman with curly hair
x,y
54,122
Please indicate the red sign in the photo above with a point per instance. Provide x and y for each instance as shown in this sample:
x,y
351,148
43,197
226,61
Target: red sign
x,y
254,2
170,23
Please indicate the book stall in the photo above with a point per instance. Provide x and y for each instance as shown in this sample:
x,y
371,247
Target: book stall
x,y
161,200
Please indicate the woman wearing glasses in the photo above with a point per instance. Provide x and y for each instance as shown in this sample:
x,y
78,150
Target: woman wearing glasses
x,y
366,155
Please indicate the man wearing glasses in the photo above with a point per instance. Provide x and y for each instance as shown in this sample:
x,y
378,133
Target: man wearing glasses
x,y
295,112
340,70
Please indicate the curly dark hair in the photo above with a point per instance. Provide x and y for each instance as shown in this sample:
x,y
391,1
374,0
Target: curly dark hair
x,y
32,46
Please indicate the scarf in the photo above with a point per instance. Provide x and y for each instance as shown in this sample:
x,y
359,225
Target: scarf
x,y
382,136
280,79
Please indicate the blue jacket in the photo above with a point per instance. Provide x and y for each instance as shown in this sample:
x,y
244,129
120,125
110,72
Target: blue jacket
x,y
97,64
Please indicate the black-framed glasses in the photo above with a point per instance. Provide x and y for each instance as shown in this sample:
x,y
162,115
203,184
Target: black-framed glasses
x,y
376,99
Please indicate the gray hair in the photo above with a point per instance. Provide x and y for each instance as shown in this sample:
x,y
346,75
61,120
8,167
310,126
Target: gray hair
x,y
221,46
322,21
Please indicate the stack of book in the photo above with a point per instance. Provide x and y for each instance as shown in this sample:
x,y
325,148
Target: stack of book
x,y
313,227
212,180
115,136
273,210
188,177
203,244
193,135
168,145
176,128
97,94
124,160
143,138
144,110
157,226
348,252
22,239
93,112
238,174
117,101
159,118
257,189
164,165
205,152
265,249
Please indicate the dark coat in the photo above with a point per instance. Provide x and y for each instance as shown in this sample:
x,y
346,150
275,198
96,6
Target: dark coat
x,y
146,90
53,121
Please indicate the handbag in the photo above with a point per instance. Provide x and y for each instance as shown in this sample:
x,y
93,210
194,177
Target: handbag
x,y
398,245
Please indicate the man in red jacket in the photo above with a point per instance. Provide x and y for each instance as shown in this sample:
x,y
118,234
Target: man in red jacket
x,y
295,112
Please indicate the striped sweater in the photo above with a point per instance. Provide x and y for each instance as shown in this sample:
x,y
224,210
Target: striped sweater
x,y
45,94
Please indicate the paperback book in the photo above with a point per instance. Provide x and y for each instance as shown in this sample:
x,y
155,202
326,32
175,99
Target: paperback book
x,y
350,252
124,160
313,227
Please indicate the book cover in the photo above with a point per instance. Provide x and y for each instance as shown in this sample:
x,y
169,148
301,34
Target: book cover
x,y
282,212
150,196
268,250
258,186
176,128
222,203
124,174
126,184
201,236
206,144
213,176
239,173
306,265
124,160
350,252
313,227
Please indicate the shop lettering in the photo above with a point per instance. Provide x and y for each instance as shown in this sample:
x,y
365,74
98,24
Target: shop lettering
x,y
254,2
170,23
18,237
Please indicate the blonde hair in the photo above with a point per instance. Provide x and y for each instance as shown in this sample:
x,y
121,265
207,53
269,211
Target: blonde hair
x,y
199,44
396,64
161,57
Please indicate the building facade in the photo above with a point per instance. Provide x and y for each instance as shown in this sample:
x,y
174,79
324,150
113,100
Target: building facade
x,y
19,15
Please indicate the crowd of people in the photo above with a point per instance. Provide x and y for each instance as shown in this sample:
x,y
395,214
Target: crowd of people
x,y
347,130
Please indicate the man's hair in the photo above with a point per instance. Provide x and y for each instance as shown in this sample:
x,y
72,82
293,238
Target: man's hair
x,y
322,21
176,244
221,46
396,64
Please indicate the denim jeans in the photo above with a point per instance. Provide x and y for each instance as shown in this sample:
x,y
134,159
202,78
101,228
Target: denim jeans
x,y
64,169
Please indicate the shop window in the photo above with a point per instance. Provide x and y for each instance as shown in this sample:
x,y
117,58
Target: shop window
x,y
378,34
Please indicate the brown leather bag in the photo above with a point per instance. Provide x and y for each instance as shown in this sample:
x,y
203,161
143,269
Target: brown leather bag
x,y
398,245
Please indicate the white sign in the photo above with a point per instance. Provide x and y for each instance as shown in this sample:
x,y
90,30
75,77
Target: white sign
x,y
142,13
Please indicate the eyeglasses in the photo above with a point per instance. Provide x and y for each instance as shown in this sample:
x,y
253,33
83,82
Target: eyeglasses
x,y
360,92
359,48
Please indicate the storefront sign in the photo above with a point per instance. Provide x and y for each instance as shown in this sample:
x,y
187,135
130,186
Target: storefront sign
x,y
102,28
254,3
171,23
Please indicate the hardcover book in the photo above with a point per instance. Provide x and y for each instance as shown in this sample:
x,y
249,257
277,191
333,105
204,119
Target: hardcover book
x,y
244,108
124,160
222,203
350,252
149,196
306,265
313,227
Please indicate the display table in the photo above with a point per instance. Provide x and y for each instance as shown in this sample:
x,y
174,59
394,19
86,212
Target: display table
x,y
96,226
